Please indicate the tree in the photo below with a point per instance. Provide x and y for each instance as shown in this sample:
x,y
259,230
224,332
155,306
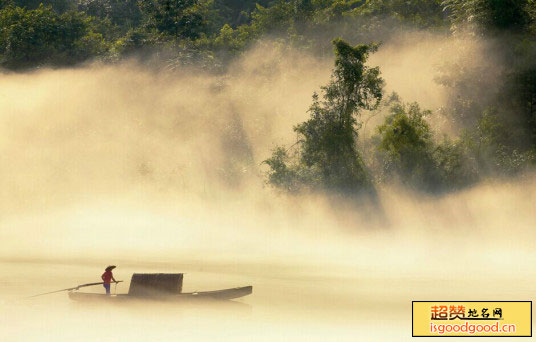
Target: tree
x,y
30,38
6,3
177,18
327,155
123,13
59,6
235,12
510,24
488,16
421,13
405,146
490,146
406,149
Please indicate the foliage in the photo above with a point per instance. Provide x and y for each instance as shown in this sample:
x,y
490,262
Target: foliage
x,y
124,14
313,23
225,28
455,167
512,94
327,156
59,6
491,103
177,18
283,173
488,15
237,12
6,3
30,38
491,147
419,13
406,149
405,146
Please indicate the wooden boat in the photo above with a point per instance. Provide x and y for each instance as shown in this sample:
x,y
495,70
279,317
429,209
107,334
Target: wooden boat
x,y
162,287
226,294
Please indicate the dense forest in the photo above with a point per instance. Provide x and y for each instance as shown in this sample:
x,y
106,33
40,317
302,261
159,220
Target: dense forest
x,y
496,125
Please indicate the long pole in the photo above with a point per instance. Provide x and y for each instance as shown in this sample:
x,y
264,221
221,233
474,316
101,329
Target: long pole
x,y
71,288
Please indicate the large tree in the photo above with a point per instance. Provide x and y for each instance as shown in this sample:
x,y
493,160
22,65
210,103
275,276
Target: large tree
x,y
327,155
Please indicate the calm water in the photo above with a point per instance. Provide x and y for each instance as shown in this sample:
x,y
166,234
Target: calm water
x,y
297,303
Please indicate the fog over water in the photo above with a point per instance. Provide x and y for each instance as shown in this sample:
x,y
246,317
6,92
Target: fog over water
x,y
159,172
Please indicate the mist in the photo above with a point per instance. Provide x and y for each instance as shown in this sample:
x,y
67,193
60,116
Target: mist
x,y
162,172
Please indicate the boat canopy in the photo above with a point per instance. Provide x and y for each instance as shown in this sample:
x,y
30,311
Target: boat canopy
x,y
154,284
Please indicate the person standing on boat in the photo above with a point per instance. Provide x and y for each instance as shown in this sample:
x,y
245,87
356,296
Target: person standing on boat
x,y
107,278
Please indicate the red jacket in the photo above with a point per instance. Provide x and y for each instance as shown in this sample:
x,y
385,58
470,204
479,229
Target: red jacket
x,y
107,277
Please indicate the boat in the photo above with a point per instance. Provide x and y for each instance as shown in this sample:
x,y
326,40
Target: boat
x,y
226,294
162,287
